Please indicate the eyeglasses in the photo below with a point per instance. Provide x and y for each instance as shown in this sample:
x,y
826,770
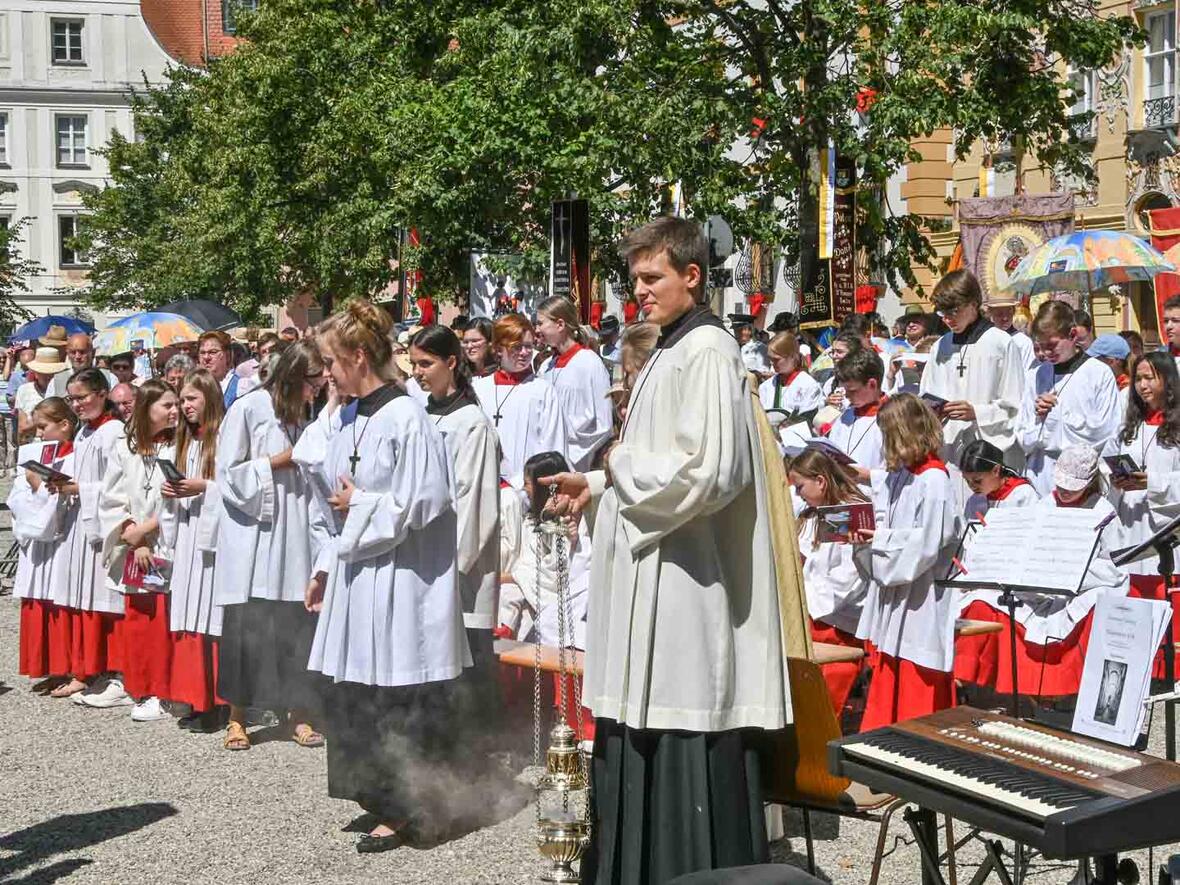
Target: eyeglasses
x,y
210,352
519,349
950,311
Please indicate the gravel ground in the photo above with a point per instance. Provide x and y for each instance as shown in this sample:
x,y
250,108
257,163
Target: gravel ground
x,y
88,796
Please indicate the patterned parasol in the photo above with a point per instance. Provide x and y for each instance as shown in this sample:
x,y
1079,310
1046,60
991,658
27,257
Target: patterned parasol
x,y
1087,260
153,328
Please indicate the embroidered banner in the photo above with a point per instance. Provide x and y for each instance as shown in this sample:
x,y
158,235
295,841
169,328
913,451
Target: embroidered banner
x,y
997,232
1165,233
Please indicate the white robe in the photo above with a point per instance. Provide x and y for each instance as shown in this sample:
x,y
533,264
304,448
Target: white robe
x,y
264,518
684,629
1144,512
905,615
391,613
131,492
835,588
531,422
992,382
1023,495
1027,352
473,449
189,527
89,585
581,386
40,521
1087,413
803,394
859,437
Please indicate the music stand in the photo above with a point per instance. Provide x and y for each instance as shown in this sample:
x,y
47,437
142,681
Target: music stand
x,y
1162,544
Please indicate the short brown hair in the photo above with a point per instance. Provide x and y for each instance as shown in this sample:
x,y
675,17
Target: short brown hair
x,y
1053,317
862,366
510,330
215,335
683,241
957,288
909,429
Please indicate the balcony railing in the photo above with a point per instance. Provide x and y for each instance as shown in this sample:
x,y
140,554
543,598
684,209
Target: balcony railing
x,y
1159,113
1083,128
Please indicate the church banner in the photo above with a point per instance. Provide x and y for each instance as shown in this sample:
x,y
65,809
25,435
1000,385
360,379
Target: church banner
x,y
569,261
829,295
1165,233
997,232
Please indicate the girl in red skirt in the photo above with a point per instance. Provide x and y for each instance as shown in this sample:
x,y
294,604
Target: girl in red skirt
x,y
40,517
133,550
835,589
189,527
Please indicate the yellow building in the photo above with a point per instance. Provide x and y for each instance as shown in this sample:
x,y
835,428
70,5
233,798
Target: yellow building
x,y
1132,146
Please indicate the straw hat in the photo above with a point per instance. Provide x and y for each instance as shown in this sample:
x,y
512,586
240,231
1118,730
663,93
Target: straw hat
x,y
48,360
56,337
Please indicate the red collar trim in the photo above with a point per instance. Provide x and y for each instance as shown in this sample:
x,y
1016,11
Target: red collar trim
x,y
931,462
508,379
1155,418
100,420
1173,350
562,360
1080,502
1123,381
64,448
1010,484
784,383
871,410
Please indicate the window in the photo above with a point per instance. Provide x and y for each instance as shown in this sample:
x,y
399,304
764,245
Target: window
x,y
1159,60
68,227
71,140
3,138
67,42
229,7
1081,85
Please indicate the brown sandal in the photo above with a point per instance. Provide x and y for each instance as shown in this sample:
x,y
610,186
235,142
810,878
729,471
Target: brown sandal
x,y
68,688
306,736
236,737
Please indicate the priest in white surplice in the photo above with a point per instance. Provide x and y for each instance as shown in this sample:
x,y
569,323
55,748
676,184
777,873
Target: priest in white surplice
x,y
684,654
977,369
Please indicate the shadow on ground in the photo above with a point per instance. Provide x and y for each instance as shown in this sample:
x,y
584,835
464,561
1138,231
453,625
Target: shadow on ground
x,y
72,832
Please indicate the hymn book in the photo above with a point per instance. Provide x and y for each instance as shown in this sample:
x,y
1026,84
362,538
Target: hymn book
x,y
835,522
38,457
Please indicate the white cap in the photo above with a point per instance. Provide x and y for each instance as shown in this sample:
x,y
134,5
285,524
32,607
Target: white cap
x,y
1076,468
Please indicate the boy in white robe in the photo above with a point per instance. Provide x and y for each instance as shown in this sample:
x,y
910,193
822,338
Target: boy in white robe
x,y
856,432
1069,399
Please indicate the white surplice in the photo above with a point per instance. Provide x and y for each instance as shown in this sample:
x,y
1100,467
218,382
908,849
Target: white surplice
x,y
391,613
1024,344
1087,413
581,382
263,526
905,615
473,449
89,585
835,588
991,379
40,523
684,629
801,394
1143,512
530,421
131,492
859,437
189,527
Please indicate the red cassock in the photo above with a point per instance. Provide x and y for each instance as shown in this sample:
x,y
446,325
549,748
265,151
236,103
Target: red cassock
x,y
146,640
840,677
900,690
93,647
36,639
194,671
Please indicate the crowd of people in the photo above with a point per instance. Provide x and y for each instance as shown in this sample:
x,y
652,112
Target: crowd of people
x,y
337,527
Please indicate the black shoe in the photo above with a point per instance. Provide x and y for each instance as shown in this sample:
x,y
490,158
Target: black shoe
x,y
210,722
186,722
368,844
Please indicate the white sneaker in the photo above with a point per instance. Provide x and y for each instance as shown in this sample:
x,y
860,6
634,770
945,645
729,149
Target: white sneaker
x,y
111,696
148,710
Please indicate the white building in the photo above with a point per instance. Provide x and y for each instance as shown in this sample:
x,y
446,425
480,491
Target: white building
x,y
66,67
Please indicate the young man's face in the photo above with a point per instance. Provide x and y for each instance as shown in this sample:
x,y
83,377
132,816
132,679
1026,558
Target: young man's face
x,y
664,293
1172,326
860,394
1055,348
959,318
1082,336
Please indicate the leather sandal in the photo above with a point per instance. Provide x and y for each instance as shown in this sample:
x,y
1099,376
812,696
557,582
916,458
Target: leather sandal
x,y
306,736
236,737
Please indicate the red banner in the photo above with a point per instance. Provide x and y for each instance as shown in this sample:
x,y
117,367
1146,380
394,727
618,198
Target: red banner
x,y
1165,233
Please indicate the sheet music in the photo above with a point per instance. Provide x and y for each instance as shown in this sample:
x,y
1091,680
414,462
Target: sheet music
x,y
1032,547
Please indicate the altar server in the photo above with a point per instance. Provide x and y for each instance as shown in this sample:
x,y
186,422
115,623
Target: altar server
x,y
266,632
907,619
133,551
1069,399
856,432
790,388
93,597
993,484
976,368
579,378
525,410
40,520
390,630
835,588
189,528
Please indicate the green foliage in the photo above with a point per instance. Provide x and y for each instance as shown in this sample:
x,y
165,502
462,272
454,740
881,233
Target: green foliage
x,y
293,164
15,271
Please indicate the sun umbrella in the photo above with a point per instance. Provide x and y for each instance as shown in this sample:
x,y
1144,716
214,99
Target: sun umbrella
x,y
209,315
39,327
1087,260
153,328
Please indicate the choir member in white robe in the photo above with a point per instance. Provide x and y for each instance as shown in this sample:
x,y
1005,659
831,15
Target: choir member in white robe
x,y
1148,498
976,368
684,648
790,388
579,379
93,595
266,632
133,551
390,631
856,432
1069,399
1000,311
907,618
525,410
188,526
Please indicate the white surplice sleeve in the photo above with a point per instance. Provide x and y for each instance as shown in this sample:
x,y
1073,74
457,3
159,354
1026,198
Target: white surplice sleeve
x,y
114,507
35,514
419,492
477,493
246,483
996,417
588,415
548,427
1090,420
90,491
710,464
511,528
898,555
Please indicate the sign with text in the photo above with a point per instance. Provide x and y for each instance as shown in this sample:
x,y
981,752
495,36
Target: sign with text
x,y
569,259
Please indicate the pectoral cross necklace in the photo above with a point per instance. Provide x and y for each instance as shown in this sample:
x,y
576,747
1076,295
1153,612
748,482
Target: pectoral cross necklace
x,y
962,367
500,403
355,459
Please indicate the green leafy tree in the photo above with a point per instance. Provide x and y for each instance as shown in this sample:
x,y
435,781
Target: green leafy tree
x,y
15,270
294,164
